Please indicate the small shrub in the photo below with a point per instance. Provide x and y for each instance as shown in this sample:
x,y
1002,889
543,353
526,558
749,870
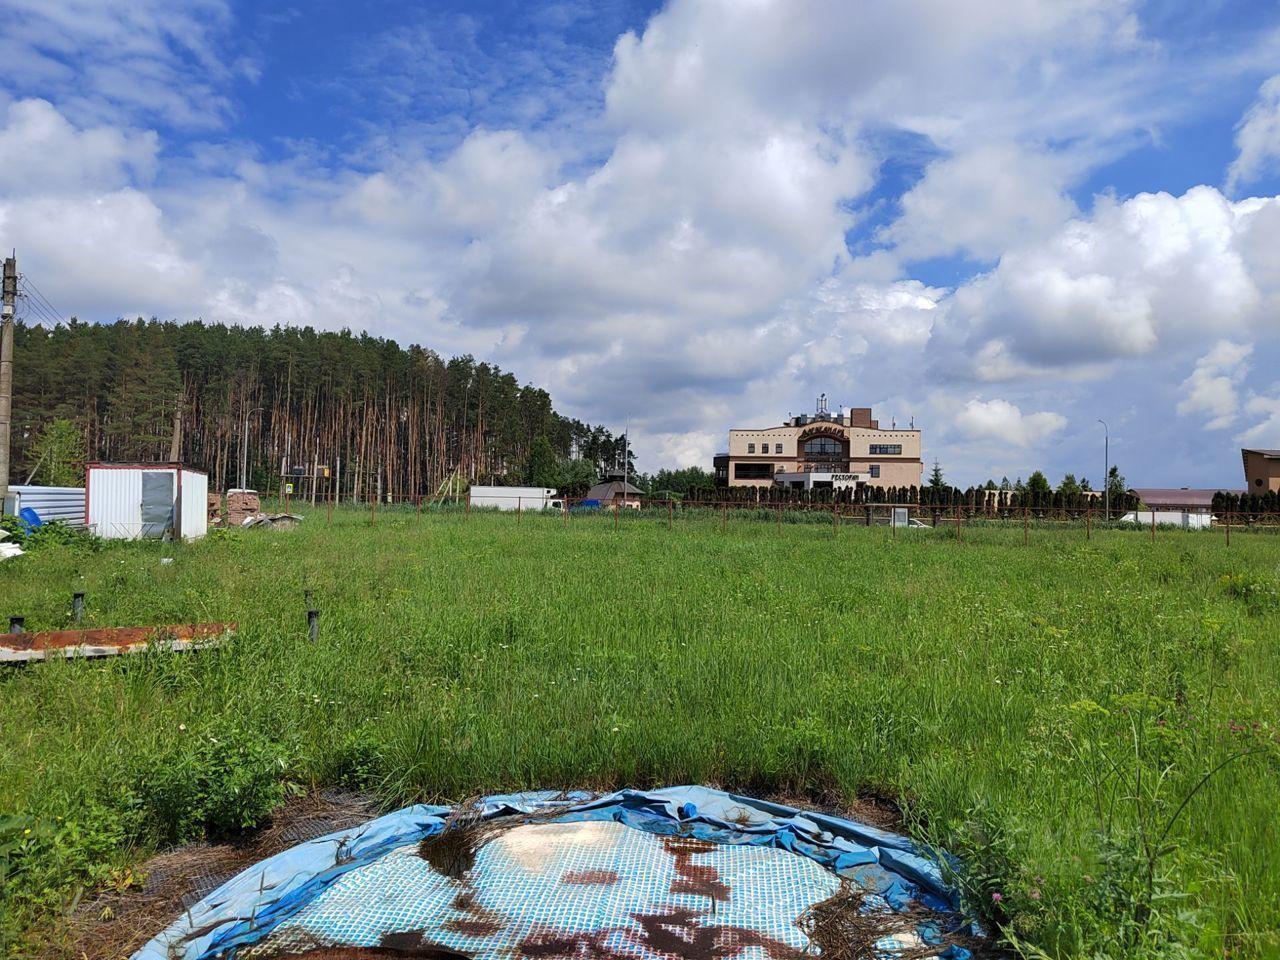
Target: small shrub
x,y
1259,593
214,785
46,859
52,534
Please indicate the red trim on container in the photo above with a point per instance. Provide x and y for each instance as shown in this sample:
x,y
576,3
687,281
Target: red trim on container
x,y
164,465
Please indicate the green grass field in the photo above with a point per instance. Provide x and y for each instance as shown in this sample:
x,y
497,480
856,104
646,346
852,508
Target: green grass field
x,y
1043,712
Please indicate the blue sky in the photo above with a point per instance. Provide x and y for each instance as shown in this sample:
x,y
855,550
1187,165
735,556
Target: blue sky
x,y
1003,221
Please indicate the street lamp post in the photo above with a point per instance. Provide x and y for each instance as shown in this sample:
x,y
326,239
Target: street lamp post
x,y
1106,469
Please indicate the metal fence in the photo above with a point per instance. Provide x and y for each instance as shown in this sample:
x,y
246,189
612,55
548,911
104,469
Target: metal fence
x,y
959,521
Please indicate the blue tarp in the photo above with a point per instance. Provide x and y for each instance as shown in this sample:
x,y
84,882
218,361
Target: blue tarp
x,y
625,875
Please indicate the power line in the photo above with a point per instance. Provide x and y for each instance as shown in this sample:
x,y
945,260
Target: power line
x,y
30,286
31,290
31,305
33,308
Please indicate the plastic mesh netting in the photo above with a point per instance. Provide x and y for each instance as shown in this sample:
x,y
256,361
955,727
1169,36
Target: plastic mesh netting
x,y
685,873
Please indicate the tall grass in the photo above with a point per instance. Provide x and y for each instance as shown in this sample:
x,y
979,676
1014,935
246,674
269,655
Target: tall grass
x,y
1043,711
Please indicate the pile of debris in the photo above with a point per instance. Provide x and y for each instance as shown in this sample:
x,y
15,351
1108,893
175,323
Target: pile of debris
x,y
244,509
241,505
8,550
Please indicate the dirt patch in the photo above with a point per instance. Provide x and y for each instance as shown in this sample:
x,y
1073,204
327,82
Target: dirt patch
x,y
680,934
694,878
112,925
823,794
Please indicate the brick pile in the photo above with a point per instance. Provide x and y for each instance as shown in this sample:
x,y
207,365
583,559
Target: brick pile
x,y
242,504
215,509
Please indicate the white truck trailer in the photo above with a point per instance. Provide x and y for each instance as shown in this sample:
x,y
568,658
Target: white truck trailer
x,y
513,498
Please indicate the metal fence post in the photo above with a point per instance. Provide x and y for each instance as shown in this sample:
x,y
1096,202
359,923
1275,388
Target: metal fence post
x,y
1026,520
1088,523
1228,528
724,516
77,606
669,510
313,624
1153,524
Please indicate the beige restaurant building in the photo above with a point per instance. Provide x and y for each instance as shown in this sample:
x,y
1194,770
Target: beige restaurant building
x,y
822,450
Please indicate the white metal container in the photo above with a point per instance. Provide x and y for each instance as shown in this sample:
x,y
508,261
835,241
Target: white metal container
x,y
132,501
512,498
1185,519
64,504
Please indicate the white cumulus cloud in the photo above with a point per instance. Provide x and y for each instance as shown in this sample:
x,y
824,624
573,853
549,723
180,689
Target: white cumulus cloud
x,y
1003,421
1265,433
1212,388
1152,272
1257,137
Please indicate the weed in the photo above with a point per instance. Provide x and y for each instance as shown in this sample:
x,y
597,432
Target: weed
x,y
1050,712
1259,592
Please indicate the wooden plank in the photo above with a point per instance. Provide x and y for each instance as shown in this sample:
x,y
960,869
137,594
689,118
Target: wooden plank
x,y
108,641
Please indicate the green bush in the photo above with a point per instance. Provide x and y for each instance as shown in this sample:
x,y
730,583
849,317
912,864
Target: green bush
x,y
212,785
53,533
1258,592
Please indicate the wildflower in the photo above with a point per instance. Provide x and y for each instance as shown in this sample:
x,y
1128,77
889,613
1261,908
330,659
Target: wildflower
x,y
1035,893
997,896
182,726
615,729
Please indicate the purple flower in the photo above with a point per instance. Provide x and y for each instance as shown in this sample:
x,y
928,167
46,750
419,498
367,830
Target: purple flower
x,y
997,897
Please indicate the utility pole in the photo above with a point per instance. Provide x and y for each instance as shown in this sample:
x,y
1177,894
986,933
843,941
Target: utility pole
x,y
1106,469
7,303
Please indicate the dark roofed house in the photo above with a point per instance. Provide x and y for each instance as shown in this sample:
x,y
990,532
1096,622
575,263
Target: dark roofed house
x,y
1261,470
1195,500
615,493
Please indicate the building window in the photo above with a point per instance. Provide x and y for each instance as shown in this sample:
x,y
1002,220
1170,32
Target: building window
x,y
777,448
751,448
823,448
753,471
886,449
875,471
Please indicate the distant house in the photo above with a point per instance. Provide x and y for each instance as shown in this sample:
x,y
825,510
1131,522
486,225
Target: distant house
x,y
615,493
1190,499
1261,470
